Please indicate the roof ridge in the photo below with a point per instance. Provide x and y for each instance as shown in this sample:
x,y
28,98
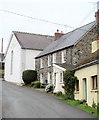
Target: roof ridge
x,y
79,27
32,33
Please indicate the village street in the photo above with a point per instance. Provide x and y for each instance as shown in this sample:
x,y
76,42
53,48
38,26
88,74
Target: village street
x,y
22,102
0,99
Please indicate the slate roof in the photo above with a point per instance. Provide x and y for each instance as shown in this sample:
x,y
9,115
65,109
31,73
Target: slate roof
x,y
68,39
33,41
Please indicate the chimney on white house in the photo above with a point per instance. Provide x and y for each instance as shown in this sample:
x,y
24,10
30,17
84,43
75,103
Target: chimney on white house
x,y
58,34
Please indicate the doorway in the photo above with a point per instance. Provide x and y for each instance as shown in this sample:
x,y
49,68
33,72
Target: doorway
x,y
85,89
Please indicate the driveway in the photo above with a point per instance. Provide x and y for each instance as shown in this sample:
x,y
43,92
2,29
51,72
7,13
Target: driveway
x,y
22,102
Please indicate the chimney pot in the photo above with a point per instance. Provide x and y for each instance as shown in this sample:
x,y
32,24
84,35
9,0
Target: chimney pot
x,y
58,34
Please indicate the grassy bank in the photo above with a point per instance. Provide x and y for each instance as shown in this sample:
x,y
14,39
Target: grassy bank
x,y
77,104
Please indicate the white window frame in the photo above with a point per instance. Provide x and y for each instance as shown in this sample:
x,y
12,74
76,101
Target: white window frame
x,y
61,77
54,57
50,77
41,63
41,78
54,82
49,60
63,56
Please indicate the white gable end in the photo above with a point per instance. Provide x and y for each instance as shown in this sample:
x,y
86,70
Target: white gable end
x,y
12,63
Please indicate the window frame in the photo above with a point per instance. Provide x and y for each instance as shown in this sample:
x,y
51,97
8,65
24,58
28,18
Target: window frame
x,y
41,63
94,82
49,60
11,69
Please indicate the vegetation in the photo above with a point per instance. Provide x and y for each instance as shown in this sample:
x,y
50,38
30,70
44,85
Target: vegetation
x,y
29,76
69,84
1,73
78,104
35,84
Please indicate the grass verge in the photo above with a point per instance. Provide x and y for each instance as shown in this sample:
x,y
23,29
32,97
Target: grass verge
x,y
76,103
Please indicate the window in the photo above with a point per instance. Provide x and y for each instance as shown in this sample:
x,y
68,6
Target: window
x,y
41,78
50,77
54,58
49,60
54,78
11,71
77,85
41,63
61,77
63,56
94,82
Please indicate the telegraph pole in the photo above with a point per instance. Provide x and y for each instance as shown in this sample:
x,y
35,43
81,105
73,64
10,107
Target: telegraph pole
x,y
2,65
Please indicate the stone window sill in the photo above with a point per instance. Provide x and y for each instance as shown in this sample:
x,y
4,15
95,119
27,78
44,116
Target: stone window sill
x,y
94,91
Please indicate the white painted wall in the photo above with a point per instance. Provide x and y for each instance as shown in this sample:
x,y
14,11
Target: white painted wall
x,y
23,59
87,72
28,59
58,85
15,76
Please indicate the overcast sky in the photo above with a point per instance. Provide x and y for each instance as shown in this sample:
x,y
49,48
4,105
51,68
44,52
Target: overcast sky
x,y
69,13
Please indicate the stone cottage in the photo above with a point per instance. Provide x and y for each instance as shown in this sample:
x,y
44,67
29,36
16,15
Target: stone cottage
x,y
66,50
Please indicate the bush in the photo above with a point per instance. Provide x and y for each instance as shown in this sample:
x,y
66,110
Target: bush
x,y
69,84
35,84
94,104
29,76
59,93
49,88
98,109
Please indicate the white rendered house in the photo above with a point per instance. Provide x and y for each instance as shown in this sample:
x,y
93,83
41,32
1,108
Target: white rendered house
x,y
21,52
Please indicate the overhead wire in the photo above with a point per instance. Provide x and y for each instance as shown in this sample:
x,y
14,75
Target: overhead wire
x,y
42,20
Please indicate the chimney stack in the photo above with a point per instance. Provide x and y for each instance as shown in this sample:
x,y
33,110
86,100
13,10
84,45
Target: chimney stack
x,y
97,20
58,34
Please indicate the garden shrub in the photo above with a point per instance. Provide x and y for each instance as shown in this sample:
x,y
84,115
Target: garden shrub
x,y
94,104
29,76
35,84
59,93
98,109
69,84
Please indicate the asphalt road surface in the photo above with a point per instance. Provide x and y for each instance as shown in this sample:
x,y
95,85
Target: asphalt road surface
x,y
22,102
0,98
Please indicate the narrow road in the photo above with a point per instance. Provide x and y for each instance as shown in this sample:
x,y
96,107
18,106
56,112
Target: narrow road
x,y
22,102
0,98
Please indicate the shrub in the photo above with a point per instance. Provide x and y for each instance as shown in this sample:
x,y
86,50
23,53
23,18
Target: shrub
x,y
29,76
69,84
94,104
35,84
59,93
49,88
98,109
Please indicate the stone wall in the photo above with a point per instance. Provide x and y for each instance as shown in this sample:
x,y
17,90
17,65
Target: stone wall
x,y
83,47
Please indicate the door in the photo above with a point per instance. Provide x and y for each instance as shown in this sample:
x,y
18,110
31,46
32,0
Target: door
x,y
85,88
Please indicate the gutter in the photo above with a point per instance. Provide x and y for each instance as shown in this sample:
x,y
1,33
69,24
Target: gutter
x,y
87,64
